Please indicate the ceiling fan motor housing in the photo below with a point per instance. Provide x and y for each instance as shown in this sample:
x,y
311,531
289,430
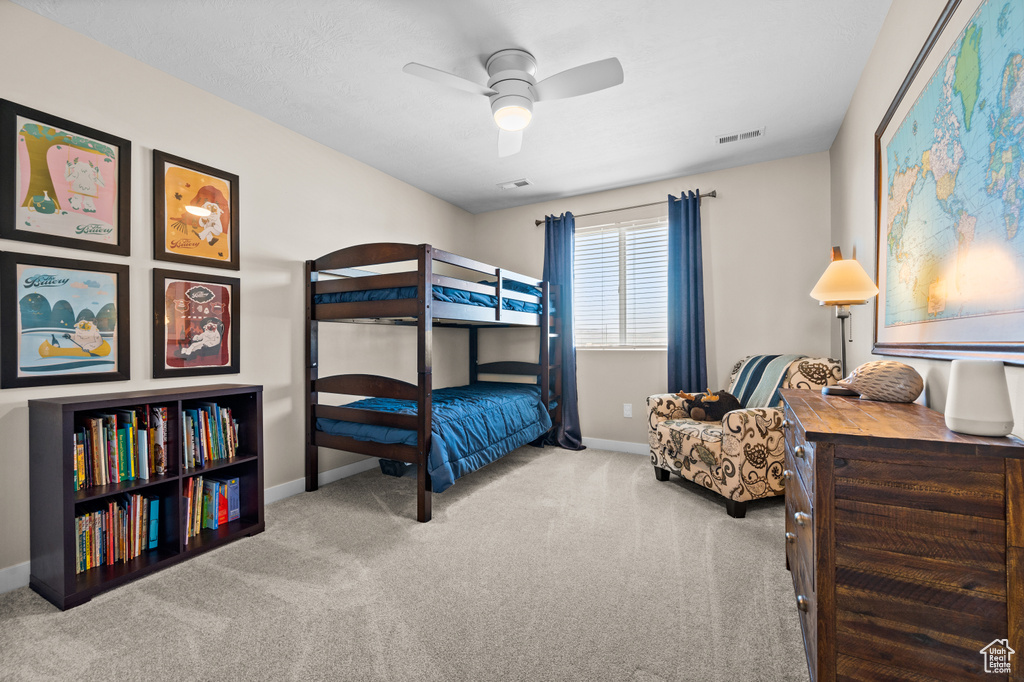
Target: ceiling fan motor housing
x,y
512,79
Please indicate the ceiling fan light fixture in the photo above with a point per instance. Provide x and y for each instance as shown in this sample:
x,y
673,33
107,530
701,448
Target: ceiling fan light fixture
x,y
513,118
512,113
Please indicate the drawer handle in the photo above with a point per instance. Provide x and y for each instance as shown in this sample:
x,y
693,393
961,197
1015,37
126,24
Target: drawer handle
x,y
787,474
798,451
791,538
801,518
786,423
803,603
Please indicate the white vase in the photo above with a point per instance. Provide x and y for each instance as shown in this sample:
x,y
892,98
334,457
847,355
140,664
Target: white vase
x,y
978,401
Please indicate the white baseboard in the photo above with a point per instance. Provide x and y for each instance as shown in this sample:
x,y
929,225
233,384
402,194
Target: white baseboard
x,y
280,492
617,446
13,577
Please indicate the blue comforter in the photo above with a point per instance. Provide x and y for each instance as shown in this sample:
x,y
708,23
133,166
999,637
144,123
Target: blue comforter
x,y
472,426
447,294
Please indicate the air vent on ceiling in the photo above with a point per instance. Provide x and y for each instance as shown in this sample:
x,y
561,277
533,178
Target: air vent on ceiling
x,y
514,184
739,137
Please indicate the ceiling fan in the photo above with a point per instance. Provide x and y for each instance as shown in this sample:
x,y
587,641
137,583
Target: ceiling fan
x,y
513,89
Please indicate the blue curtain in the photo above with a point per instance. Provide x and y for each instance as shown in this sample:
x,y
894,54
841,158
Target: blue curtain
x,y
687,347
559,243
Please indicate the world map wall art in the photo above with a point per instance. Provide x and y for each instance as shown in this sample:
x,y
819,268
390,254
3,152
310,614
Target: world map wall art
x,y
195,213
62,321
62,183
950,192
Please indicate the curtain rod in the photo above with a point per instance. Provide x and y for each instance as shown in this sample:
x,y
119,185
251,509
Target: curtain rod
x,y
713,193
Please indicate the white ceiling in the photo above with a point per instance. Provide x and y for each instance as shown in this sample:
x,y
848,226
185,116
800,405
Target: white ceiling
x,y
332,70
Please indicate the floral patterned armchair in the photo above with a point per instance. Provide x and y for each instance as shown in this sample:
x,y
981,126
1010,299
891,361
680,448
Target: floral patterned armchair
x,y
741,457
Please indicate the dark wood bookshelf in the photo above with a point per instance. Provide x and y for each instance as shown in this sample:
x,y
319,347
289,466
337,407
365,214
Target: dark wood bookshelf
x,y
135,485
54,502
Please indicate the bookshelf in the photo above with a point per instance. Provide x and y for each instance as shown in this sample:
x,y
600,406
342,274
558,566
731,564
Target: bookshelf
x,y
55,504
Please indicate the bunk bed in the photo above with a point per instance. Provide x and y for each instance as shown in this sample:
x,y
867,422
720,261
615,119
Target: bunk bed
x,y
448,432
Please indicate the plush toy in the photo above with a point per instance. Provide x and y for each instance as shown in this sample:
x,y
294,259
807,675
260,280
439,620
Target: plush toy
x,y
708,406
689,400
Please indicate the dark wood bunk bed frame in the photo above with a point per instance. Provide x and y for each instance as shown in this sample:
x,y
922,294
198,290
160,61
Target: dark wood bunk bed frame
x,y
342,269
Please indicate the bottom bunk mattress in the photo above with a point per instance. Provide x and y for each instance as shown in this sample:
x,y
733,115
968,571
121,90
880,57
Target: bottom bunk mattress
x,y
472,426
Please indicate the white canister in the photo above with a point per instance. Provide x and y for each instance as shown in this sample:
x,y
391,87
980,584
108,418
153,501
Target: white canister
x,y
978,401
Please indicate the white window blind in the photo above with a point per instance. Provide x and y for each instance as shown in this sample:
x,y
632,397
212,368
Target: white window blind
x,y
620,287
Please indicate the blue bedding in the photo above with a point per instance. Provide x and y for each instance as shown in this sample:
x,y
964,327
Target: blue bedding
x,y
472,426
447,294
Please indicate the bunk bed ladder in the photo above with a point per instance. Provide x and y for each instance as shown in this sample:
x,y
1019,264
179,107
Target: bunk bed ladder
x,y
312,374
545,346
424,359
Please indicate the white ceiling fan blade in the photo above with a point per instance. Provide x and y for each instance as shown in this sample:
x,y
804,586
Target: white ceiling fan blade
x,y
509,143
581,80
445,78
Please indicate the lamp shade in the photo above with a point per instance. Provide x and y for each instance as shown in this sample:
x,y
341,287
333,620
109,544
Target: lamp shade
x,y
978,399
844,283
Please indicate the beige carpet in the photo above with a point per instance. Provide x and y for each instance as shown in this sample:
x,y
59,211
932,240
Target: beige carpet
x,y
546,565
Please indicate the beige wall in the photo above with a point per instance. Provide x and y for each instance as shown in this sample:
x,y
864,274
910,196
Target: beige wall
x,y
765,244
299,200
853,174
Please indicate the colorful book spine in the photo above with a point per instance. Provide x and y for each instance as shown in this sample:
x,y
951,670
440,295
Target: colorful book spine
x,y
230,487
123,447
210,496
99,451
144,454
158,423
116,474
80,460
154,522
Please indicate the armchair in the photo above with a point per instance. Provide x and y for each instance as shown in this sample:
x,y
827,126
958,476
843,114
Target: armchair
x,y
741,457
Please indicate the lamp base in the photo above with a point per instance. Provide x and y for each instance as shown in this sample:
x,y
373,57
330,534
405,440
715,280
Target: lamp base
x,y
839,391
978,427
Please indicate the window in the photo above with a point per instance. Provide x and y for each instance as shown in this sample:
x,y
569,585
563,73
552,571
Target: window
x,y
620,290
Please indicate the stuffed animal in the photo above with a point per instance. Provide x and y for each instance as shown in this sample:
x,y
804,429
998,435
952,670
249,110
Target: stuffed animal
x,y
688,401
708,406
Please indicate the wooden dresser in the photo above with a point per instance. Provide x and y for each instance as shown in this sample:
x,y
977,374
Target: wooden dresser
x,y
905,541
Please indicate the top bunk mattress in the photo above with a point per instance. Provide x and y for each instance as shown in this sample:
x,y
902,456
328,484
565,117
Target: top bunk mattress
x,y
446,294
471,425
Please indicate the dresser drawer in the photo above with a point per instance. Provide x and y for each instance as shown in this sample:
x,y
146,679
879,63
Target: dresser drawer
x,y
799,452
799,529
800,553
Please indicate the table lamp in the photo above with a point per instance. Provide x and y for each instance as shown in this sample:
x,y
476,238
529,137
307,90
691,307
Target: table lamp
x,y
844,283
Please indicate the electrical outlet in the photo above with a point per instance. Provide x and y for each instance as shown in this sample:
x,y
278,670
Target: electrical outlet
x,y
627,409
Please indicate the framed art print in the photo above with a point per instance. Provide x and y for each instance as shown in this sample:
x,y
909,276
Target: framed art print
x,y
62,183
195,211
63,321
196,324
949,194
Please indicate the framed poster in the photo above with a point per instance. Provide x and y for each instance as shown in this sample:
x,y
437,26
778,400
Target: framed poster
x,y
949,194
63,321
196,324
62,183
195,213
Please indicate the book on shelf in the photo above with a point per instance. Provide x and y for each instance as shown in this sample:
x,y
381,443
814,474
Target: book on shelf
x,y
98,450
116,530
211,497
120,445
230,500
193,505
154,522
158,443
